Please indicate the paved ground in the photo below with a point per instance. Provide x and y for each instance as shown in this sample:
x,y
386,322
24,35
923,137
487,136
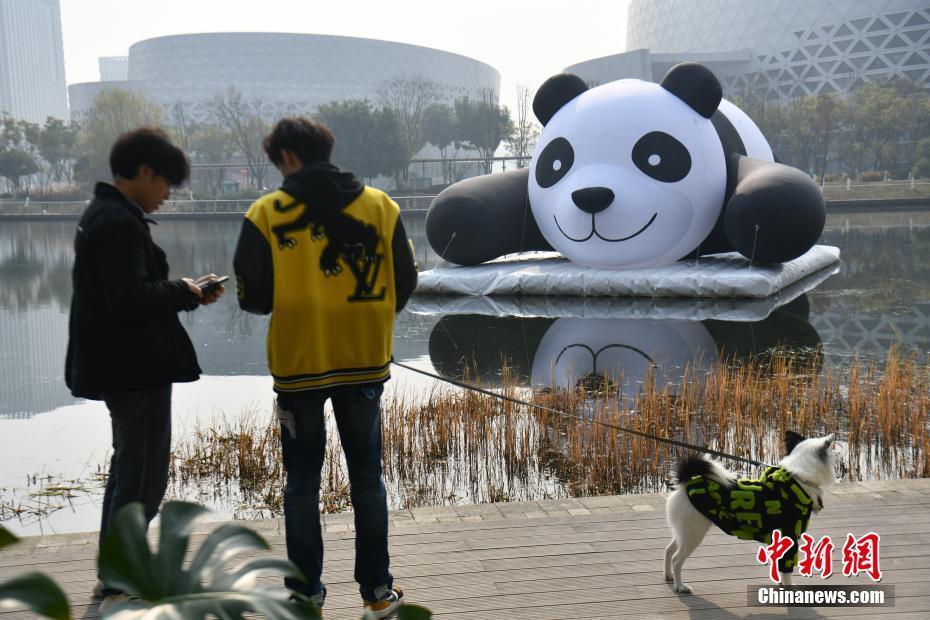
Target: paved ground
x,y
587,558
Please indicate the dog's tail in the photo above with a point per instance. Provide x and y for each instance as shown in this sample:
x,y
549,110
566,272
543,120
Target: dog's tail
x,y
699,466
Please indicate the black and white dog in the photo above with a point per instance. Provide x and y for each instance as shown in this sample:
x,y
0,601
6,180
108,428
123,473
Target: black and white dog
x,y
751,509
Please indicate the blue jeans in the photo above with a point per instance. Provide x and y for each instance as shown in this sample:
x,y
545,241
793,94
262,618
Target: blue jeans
x,y
303,440
141,423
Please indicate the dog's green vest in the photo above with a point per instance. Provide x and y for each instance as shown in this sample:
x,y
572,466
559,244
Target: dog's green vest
x,y
752,508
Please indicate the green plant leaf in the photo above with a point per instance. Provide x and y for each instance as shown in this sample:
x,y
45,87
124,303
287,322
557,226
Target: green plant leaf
x,y
7,537
37,593
125,560
222,544
413,612
225,605
178,520
166,590
243,578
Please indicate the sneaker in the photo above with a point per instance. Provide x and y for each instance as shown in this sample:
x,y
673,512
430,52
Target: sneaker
x,y
389,599
316,600
102,591
98,591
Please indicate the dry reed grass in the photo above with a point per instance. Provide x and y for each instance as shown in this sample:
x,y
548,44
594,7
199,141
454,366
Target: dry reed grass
x,y
458,446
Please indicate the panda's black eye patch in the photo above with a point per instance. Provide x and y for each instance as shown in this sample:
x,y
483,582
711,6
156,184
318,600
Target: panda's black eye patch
x,y
662,157
554,162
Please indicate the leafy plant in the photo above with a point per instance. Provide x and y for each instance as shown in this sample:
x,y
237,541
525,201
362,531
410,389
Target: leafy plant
x,y
166,588
34,591
162,587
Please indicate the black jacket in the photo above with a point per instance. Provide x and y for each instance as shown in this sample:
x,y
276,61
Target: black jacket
x,y
124,332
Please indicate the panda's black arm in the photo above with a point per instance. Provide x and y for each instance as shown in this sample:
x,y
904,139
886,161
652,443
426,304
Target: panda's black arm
x,y
484,217
476,346
776,212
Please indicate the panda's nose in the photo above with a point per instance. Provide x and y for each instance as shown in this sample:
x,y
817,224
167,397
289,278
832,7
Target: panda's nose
x,y
593,199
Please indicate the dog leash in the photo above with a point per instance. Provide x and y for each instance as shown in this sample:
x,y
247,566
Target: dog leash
x,y
517,401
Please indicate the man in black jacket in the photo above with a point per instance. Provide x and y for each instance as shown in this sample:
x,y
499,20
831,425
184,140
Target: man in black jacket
x,y
126,345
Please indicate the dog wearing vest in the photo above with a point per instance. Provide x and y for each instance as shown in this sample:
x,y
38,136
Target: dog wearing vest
x,y
783,498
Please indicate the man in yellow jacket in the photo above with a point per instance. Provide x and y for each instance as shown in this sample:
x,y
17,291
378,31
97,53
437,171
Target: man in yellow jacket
x,y
329,258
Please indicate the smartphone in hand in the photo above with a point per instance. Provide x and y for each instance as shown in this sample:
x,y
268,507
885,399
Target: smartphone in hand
x,y
211,286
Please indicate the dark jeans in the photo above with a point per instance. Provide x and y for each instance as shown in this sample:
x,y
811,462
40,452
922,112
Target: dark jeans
x,y
141,421
303,440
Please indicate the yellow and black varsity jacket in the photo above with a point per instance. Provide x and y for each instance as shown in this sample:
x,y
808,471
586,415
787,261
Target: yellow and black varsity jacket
x,y
330,259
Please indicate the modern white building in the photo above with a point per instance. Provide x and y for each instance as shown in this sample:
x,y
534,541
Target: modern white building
x,y
113,68
289,73
32,63
776,48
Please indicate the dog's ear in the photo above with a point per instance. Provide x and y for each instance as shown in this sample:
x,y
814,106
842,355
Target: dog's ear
x,y
792,439
824,451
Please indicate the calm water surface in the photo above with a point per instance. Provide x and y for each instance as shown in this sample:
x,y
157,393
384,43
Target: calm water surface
x,y
880,296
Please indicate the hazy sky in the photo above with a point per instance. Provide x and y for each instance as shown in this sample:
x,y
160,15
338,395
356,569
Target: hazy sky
x,y
526,41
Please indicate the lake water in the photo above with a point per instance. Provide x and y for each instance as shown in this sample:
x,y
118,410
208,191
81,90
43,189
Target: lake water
x,y
880,296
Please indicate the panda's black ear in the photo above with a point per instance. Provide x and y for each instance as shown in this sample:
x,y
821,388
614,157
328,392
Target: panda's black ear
x,y
696,85
555,93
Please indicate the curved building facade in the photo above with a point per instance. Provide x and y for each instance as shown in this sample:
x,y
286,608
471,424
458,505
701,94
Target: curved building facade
x,y
778,48
290,73
81,96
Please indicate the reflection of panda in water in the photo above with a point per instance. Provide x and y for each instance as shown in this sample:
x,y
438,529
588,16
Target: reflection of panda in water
x,y
632,173
594,352
569,352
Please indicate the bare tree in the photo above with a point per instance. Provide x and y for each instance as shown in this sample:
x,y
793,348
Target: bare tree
x,y
442,130
761,102
915,119
181,126
409,97
484,124
244,122
210,145
826,112
115,111
799,133
522,138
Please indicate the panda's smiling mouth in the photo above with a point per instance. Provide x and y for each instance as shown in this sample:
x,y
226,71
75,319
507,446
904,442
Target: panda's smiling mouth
x,y
599,235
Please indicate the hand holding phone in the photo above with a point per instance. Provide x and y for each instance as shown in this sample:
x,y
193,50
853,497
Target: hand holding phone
x,y
213,285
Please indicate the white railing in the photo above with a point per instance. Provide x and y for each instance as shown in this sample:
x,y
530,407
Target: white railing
x,y
879,190
172,207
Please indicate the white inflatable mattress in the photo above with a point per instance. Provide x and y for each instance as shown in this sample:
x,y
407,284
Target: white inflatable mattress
x,y
694,309
548,274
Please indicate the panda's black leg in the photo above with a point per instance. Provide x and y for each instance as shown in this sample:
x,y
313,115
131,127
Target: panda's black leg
x,y
775,214
484,217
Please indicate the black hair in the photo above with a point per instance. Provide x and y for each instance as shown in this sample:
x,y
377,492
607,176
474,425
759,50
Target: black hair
x,y
148,146
308,139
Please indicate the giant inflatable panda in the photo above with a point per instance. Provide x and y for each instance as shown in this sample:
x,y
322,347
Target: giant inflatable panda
x,y
635,174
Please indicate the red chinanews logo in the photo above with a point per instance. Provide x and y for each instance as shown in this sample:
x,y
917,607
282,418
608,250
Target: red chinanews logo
x,y
860,555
